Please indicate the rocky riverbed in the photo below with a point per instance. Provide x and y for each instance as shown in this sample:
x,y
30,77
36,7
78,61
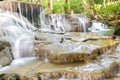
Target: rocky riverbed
x,y
99,60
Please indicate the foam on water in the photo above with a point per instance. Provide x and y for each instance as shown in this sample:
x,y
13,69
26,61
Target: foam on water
x,y
19,63
97,26
18,33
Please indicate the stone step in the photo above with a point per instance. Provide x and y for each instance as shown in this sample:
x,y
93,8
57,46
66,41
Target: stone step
x,y
69,51
90,71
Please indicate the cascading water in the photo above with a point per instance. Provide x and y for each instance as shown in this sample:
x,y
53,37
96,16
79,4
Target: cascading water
x,y
18,30
18,33
57,23
42,20
82,21
66,23
97,26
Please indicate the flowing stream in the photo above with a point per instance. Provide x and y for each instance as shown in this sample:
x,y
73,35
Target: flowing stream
x,y
19,32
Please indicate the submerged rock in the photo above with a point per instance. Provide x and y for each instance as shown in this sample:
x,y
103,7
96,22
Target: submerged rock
x,y
5,57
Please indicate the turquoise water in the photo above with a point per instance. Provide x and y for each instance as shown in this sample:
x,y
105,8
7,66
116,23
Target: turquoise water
x,y
106,32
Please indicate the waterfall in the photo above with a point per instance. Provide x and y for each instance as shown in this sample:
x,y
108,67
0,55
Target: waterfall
x,y
82,21
24,46
56,22
97,26
17,30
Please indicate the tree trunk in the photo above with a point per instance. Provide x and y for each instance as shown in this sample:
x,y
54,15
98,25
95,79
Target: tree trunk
x,y
66,7
49,6
38,2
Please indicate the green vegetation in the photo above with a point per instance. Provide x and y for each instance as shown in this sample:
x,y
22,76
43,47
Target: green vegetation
x,y
108,11
79,6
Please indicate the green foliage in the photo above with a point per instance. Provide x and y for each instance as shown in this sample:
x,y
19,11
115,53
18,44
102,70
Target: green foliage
x,y
73,6
78,6
109,9
98,1
58,9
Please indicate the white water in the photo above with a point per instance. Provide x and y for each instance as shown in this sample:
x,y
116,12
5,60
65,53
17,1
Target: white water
x,y
18,33
24,46
59,23
19,63
97,26
55,23
83,21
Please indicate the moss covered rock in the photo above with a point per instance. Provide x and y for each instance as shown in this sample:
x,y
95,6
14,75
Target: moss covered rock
x,y
11,76
5,57
117,31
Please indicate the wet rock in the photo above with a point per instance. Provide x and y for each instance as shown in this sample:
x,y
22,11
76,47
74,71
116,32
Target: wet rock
x,y
1,46
5,57
117,31
15,76
92,71
11,76
68,23
73,50
102,69
48,37
4,44
114,78
30,11
62,54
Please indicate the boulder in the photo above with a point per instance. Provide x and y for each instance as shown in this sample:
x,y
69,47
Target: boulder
x,y
5,57
4,44
1,46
